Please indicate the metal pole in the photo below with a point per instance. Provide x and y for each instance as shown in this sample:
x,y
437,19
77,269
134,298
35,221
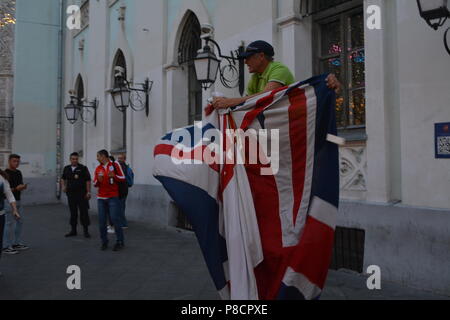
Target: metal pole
x,y
241,71
60,101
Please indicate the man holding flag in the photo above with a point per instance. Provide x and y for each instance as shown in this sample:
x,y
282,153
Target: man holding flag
x,y
263,235
267,74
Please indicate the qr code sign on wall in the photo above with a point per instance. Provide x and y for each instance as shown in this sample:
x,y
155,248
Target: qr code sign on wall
x,y
444,145
442,140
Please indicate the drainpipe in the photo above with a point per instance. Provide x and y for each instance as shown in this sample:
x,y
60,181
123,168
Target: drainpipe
x,y
60,98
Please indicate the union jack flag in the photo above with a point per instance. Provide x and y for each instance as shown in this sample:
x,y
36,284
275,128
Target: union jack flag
x,y
263,236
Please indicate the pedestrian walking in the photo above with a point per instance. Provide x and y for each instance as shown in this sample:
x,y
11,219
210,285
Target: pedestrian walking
x,y
76,183
5,192
12,239
107,177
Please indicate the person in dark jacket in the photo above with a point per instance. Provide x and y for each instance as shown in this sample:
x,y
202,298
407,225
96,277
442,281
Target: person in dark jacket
x,y
12,243
76,183
125,186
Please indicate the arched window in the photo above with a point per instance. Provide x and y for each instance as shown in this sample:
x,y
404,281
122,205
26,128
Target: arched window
x,y
78,130
118,119
190,43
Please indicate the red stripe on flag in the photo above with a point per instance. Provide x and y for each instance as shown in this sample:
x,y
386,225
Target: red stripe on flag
x,y
173,152
163,149
228,168
299,141
312,257
209,109
266,200
260,105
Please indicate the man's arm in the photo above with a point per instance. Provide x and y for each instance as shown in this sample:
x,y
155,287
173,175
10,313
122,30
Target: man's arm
x,y
224,103
22,186
96,178
63,185
10,197
333,83
62,182
88,183
119,176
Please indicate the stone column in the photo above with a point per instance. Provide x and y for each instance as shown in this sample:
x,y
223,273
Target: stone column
x,y
377,110
295,39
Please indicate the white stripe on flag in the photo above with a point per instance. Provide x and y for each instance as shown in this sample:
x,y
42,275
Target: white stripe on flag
x,y
297,280
311,107
323,212
225,293
242,236
276,118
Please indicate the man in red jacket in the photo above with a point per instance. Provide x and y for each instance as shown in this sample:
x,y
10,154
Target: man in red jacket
x,y
107,177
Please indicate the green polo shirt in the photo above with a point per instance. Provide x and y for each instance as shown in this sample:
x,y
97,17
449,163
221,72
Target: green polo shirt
x,y
275,72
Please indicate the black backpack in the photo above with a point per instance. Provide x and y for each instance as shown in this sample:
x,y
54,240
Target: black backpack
x,y
123,186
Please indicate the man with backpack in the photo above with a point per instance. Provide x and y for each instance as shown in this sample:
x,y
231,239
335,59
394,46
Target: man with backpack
x,y
124,186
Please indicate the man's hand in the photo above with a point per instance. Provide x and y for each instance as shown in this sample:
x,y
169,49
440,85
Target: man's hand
x,y
16,214
333,83
111,174
21,187
64,189
88,196
225,103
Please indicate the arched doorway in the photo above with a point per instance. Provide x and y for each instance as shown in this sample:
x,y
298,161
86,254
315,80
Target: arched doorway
x,y
190,43
118,120
187,92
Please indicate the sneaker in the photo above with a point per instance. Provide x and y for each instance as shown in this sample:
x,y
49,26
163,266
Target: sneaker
x,y
111,230
10,251
125,228
20,247
118,247
87,235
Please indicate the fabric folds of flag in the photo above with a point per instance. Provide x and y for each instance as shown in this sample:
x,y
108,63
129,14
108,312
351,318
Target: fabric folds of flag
x,y
266,229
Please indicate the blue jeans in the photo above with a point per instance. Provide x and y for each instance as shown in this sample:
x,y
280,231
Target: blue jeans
x,y
2,228
13,228
123,203
113,207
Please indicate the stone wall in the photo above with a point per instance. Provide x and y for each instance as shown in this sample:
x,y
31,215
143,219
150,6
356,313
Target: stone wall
x,y
7,22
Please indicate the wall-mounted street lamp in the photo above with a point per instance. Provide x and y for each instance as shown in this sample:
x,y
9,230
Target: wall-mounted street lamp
x,y
208,65
76,109
436,13
124,95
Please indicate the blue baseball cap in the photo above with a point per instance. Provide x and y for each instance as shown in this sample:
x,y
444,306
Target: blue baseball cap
x,y
259,46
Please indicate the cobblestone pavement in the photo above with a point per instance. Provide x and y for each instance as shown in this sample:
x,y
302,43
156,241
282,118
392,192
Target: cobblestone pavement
x,y
158,263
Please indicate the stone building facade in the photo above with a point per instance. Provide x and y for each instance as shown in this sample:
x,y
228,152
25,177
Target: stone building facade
x,y
395,208
7,23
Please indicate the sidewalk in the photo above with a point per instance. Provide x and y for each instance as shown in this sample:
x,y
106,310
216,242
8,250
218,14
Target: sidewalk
x,y
158,263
